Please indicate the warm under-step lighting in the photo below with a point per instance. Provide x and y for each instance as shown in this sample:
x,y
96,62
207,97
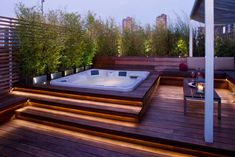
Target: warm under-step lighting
x,y
127,107
96,138
55,113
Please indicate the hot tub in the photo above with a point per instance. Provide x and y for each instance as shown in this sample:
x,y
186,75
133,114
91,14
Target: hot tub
x,y
113,80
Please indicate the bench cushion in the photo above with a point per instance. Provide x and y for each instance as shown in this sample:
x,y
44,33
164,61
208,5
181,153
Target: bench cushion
x,y
178,73
175,73
231,76
9,101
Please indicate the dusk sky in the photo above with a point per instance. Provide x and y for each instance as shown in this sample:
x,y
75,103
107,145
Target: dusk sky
x,y
144,11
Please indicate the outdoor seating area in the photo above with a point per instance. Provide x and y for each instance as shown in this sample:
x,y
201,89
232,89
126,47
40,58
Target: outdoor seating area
x,y
74,85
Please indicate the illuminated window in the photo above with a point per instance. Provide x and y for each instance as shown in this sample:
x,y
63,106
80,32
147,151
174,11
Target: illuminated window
x,y
224,29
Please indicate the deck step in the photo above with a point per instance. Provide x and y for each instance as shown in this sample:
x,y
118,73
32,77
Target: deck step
x,y
34,113
99,109
90,109
30,92
100,127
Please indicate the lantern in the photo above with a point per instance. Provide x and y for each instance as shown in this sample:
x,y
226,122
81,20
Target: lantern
x,y
200,86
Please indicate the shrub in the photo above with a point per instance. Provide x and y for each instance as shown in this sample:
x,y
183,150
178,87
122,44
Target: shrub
x,y
72,53
107,38
160,42
53,43
180,48
225,48
199,45
133,41
30,43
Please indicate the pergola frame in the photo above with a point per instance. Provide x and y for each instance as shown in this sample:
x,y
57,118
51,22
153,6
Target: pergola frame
x,y
209,67
210,12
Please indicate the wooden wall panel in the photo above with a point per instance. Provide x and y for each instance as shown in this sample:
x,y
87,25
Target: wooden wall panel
x,y
153,63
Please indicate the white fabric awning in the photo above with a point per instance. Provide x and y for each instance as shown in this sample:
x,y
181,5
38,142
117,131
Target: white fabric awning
x,y
224,11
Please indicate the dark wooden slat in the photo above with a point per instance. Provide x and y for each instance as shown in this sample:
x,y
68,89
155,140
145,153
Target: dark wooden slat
x,y
4,52
8,43
8,151
8,25
24,149
9,18
31,146
4,79
4,57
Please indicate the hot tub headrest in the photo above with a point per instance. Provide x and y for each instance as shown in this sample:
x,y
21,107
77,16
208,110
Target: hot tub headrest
x,y
122,73
94,72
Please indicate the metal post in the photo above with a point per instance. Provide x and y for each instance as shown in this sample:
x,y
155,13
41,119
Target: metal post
x,y
10,45
209,76
42,1
190,39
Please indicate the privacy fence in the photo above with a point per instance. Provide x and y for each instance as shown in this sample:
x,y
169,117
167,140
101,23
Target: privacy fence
x,y
9,73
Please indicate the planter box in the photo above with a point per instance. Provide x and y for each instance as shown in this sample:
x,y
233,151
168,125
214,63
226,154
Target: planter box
x,y
77,70
68,72
55,75
40,79
88,67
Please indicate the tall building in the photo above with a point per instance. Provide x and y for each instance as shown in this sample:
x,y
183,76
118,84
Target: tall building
x,y
127,24
161,21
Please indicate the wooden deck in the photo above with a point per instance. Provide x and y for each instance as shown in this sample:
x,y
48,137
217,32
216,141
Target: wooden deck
x,y
163,123
166,119
26,139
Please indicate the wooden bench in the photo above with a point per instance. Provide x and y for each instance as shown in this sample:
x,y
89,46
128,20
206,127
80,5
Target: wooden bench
x,y
8,104
231,80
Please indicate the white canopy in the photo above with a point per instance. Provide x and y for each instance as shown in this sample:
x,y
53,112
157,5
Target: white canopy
x,y
224,11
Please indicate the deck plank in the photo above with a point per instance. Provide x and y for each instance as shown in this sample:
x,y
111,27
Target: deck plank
x,y
68,143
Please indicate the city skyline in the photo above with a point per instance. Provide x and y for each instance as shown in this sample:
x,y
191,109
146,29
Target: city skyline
x,y
143,13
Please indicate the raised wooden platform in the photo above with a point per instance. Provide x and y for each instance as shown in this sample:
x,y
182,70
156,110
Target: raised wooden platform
x,y
126,106
136,95
164,123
